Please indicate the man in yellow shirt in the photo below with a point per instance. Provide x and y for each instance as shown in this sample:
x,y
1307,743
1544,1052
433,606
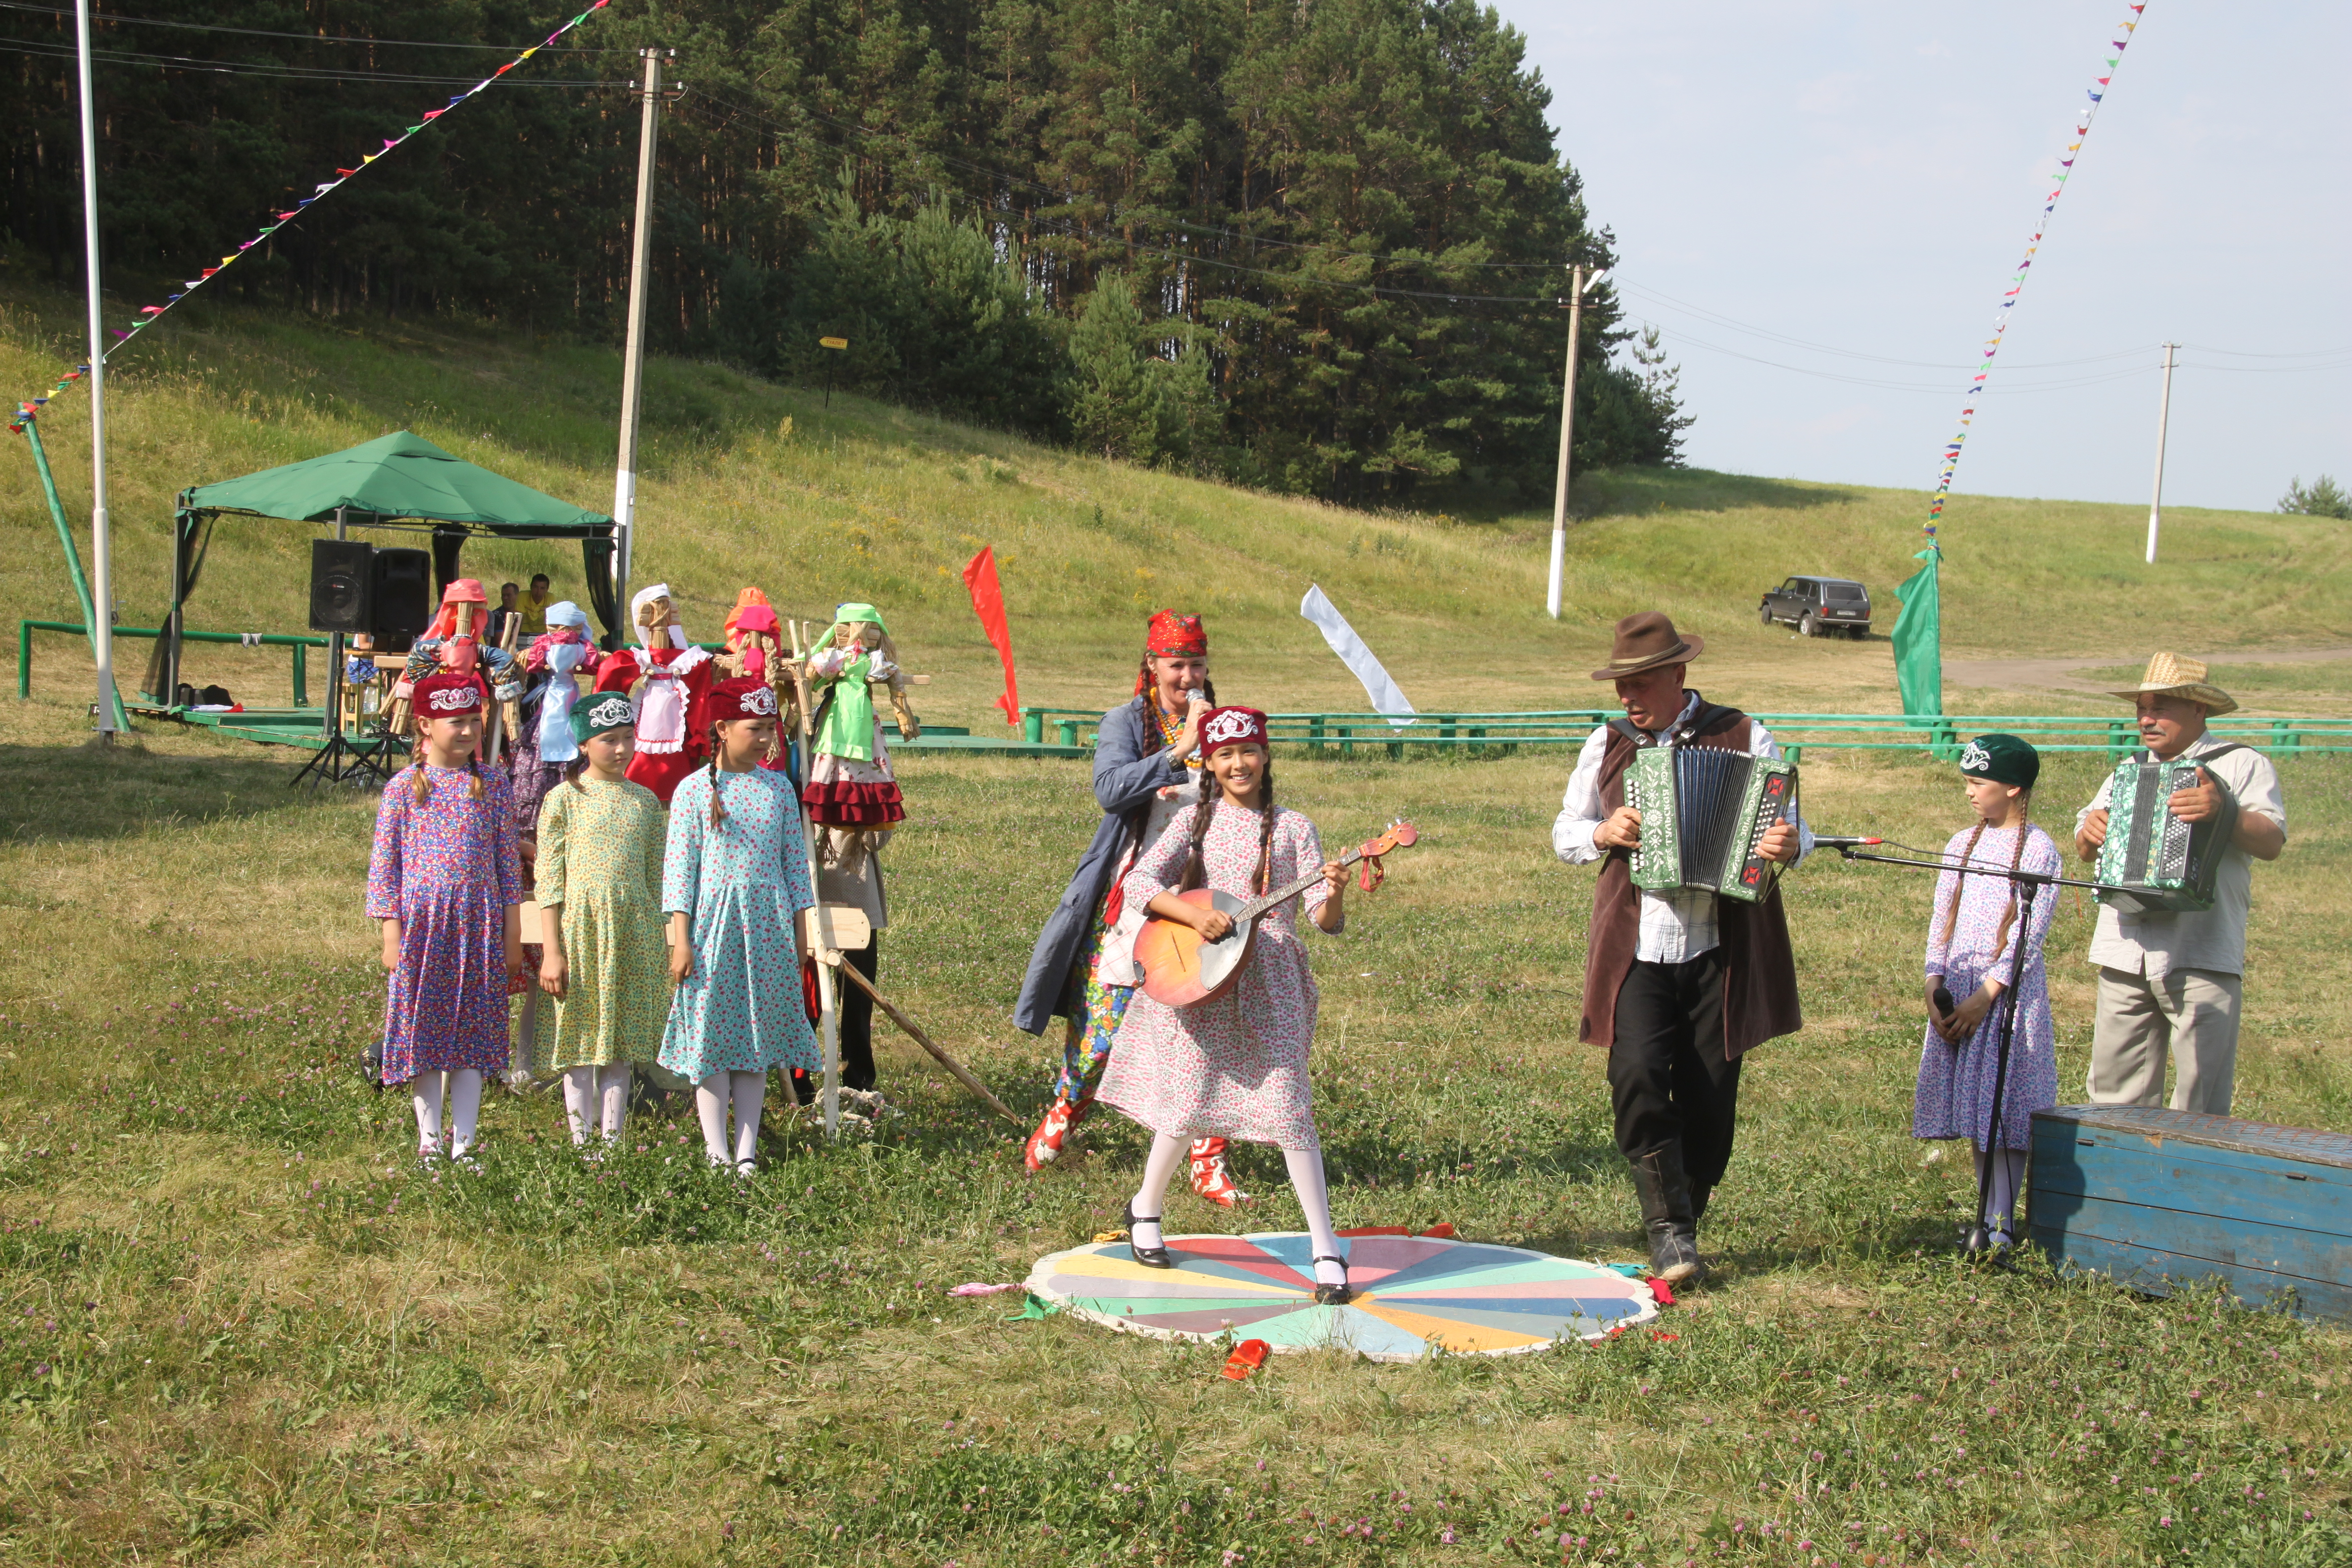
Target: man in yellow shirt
x,y
533,607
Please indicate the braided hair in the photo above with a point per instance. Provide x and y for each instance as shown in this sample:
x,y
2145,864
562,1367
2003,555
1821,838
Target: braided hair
x,y
1196,873
1959,887
718,739
573,768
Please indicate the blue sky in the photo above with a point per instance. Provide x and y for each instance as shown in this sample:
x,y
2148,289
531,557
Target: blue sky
x,y
1864,178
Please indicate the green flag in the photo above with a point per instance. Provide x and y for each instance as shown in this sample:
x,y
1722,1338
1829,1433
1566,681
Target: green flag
x,y
1918,640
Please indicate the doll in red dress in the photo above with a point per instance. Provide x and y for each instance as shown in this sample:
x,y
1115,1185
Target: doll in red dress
x,y
669,680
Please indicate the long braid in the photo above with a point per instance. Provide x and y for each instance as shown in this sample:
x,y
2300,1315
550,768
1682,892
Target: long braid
x,y
717,810
1960,886
2016,858
1266,827
1196,865
422,783
573,768
474,766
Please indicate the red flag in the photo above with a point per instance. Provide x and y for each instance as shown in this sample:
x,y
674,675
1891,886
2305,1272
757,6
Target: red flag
x,y
988,603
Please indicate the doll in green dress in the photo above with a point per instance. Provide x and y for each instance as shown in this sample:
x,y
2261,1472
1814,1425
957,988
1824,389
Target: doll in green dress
x,y
599,876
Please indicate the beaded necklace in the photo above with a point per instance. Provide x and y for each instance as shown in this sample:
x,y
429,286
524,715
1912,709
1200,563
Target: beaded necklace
x,y
1170,729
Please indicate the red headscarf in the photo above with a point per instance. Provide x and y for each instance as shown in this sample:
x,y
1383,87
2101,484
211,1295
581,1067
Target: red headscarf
x,y
1171,636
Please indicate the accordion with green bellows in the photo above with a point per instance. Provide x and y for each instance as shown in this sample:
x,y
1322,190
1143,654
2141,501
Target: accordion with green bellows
x,y
1704,811
2153,862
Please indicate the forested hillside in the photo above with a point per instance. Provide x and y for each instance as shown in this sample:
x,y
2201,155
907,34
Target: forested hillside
x,y
1314,246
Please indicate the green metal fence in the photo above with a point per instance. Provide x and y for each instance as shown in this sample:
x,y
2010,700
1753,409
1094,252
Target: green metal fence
x,y
301,643
1497,735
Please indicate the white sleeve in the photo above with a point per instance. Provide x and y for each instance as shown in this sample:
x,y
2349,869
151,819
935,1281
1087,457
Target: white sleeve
x,y
1579,808
2098,802
1760,743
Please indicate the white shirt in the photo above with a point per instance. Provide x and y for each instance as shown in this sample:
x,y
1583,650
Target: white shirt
x,y
2157,942
1678,923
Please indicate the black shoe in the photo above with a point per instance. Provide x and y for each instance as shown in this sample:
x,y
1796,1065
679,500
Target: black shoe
x,y
1666,1217
1337,1295
1149,1256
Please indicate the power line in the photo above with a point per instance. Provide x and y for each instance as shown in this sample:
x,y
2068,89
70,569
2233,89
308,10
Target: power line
x,y
116,19
294,73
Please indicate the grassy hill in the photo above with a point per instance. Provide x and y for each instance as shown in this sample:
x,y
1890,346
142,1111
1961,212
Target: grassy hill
x,y
243,1328
750,482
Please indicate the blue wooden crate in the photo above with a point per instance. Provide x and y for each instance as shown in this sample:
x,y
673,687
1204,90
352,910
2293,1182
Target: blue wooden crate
x,y
2156,1198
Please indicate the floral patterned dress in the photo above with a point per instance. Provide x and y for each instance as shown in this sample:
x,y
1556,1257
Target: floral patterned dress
x,y
745,881
447,869
599,856
1956,1082
1234,1067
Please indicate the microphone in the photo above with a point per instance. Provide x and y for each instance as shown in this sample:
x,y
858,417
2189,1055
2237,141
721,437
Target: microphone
x,y
1822,840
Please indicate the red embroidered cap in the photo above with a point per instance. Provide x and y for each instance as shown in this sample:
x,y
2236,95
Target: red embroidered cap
x,y
743,697
446,695
1232,727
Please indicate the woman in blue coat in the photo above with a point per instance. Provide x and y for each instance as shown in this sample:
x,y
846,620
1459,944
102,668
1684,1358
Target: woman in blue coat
x,y
1083,968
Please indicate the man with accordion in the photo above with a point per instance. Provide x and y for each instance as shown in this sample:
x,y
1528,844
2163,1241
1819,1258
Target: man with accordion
x,y
1687,965
2177,828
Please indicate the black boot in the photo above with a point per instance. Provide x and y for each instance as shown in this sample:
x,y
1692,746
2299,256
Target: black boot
x,y
1666,1214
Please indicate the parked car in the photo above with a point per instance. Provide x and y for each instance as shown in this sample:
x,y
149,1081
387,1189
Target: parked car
x,y
1817,606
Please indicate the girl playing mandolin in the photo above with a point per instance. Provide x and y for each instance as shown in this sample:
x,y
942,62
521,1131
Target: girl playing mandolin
x,y
1234,1066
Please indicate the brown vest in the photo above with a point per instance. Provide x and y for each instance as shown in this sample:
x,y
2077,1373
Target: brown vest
x,y
1760,969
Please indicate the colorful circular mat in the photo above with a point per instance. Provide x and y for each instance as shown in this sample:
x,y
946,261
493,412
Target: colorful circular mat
x,y
1412,1293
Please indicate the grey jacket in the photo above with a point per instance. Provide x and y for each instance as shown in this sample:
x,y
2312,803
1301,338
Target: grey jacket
x,y
1131,765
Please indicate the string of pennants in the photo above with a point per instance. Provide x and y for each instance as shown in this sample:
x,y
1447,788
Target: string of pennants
x,y
29,409
2089,111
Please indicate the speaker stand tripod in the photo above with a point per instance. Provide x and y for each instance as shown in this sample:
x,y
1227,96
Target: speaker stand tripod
x,y
342,760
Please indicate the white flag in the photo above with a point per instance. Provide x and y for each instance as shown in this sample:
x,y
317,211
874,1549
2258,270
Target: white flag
x,y
1386,698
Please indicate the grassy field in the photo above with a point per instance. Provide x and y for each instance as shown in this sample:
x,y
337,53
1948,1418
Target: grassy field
x,y
745,482
240,1329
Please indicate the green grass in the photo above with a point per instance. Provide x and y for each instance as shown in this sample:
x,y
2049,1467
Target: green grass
x,y
237,1328
747,481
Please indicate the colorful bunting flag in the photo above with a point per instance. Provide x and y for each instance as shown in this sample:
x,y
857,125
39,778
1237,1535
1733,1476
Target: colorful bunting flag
x,y
150,314
2017,281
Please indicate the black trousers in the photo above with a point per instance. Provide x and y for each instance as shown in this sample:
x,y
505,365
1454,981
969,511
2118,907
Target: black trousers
x,y
857,1020
1668,1079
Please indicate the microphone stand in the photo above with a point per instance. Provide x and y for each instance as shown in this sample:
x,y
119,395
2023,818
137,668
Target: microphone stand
x,y
2027,883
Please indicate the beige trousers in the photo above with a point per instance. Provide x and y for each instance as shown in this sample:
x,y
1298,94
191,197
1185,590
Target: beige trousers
x,y
2190,1013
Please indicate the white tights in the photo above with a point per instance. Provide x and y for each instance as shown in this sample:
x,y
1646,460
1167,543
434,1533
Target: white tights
x,y
2007,1177
1168,1153
465,1086
583,1087
710,1097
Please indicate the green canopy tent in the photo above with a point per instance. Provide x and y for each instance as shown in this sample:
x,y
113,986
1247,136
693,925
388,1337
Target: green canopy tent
x,y
399,482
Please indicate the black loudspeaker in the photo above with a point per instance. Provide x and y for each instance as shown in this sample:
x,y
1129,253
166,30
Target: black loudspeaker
x,y
400,599
340,585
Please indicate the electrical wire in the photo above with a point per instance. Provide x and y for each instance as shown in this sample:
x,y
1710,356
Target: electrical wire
x,y
294,73
115,19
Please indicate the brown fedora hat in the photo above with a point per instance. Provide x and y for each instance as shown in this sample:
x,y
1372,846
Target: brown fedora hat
x,y
1645,642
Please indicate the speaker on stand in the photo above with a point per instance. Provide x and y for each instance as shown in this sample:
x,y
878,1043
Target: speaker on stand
x,y
356,587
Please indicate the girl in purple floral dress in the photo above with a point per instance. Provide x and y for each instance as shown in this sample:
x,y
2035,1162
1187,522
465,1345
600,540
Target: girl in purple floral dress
x,y
1234,1065
445,882
1977,947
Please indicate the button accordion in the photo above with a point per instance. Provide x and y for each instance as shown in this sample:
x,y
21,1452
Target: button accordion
x,y
1704,811
2152,862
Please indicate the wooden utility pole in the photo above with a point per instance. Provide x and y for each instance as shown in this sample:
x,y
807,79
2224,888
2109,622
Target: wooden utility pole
x,y
1577,284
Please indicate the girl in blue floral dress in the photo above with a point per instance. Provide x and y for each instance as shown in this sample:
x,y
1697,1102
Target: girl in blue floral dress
x,y
445,881
734,882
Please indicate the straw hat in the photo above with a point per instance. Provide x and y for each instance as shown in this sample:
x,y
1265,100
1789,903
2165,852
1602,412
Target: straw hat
x,y
2178,677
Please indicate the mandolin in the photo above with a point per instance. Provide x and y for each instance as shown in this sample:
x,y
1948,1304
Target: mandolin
x,y
1181,968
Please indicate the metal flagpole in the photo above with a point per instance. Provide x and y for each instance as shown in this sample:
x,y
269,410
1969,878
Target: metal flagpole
x,y
1577,284
624,481
2163,414
102,562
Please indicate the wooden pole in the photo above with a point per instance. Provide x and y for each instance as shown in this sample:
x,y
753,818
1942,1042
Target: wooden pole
x,y
914,1031
828,995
